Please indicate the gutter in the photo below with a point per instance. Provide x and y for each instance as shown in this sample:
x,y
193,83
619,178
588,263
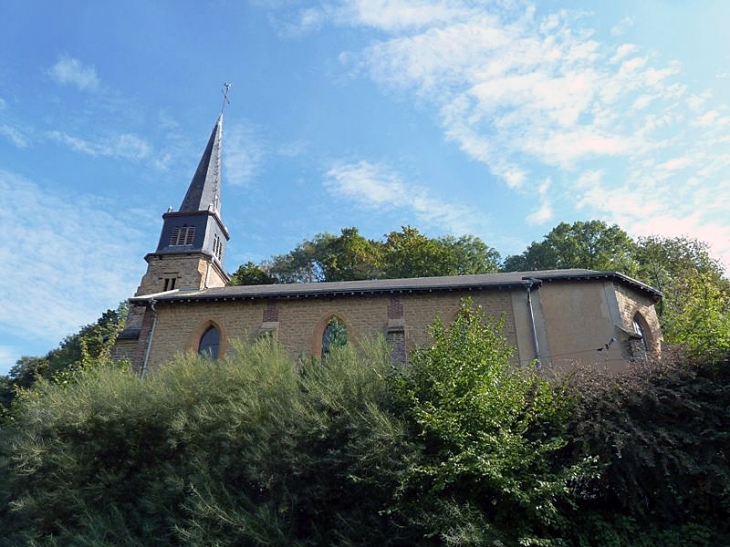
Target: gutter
x,y
151,338
528,283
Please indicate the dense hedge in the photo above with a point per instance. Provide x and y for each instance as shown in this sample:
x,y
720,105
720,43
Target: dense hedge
x,y
456,449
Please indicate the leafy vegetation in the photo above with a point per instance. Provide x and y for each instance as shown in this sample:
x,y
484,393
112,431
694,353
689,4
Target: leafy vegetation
x,y
350,256
89,346
457,448
662,430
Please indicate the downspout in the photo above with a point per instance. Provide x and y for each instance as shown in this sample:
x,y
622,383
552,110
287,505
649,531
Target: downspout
x,y
152,336
528,284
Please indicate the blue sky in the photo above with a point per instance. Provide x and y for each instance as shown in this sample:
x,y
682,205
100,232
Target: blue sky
x,y
498,119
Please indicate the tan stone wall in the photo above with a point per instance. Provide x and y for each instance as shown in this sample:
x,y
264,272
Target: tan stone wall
x,y
573,320
301,322
421,310
180,326
124,350
190,271
579,319
630,303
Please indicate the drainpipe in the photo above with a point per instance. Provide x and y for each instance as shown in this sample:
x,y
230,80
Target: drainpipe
x,y
152,336
528,283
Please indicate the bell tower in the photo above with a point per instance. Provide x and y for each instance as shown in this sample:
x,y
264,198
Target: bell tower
x,y
192,245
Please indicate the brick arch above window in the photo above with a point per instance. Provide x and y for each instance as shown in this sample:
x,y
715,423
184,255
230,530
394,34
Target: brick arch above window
x,y
321,326
200,331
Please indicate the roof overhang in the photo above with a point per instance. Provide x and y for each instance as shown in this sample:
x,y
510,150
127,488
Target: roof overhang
x,y
463,283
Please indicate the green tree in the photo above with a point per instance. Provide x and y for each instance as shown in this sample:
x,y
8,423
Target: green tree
x,y
409,253
251,274
490,434
350,257
92,343
404,253
660,430
695,310
591,245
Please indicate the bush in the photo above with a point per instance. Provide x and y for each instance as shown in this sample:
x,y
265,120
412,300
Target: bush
x,y
245,450
662,432
490,436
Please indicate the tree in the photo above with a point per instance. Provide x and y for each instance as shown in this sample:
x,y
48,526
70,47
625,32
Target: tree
x,y
591,245
490,432
327,257
250,450
695,310
350,257
251,274
92,343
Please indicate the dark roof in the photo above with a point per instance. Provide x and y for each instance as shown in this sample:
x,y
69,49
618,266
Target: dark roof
x,y
492,281
204,189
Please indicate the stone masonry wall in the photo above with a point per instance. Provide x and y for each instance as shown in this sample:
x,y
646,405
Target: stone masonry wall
x,y
630,303
299,324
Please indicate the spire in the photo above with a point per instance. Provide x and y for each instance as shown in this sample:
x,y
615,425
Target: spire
x,y
204,191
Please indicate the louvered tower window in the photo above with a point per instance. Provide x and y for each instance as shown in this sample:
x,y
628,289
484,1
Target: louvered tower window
x,y
182,235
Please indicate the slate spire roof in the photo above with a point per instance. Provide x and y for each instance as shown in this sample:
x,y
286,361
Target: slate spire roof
x,y
204,191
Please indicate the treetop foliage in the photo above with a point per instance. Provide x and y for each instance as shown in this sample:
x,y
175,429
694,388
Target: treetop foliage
x,y
350,257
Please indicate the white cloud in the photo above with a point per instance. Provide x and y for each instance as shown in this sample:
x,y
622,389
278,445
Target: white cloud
x,y
384,15
377,187
544,213
623,51
8,357
69,260
14,135
125,145
622,26
70,71
541,96
243,155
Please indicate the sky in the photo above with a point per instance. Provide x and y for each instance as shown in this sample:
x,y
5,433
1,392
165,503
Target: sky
x,y
498,119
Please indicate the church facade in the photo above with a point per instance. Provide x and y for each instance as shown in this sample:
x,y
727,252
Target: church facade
x,y
185,301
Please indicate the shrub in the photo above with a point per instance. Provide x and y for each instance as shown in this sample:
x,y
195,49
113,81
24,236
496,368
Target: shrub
x,y
662,432
245,450
490,434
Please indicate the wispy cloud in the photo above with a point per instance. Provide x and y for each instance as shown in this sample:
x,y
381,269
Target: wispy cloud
x,y
70,71
125,146
65,245
534,96
622,26
378,187
14,135
243,155
544,213
383,15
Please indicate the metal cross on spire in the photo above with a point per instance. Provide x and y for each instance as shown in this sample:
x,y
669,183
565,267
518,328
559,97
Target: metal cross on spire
x,y
226,89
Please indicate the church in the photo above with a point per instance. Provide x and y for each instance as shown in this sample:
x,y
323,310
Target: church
x,y
185,302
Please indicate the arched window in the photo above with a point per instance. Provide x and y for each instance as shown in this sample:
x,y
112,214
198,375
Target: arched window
x,y
638,329
210,343
638,344
334,335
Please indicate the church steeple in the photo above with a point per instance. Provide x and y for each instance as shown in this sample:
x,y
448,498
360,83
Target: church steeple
x,y
192,243
204,190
